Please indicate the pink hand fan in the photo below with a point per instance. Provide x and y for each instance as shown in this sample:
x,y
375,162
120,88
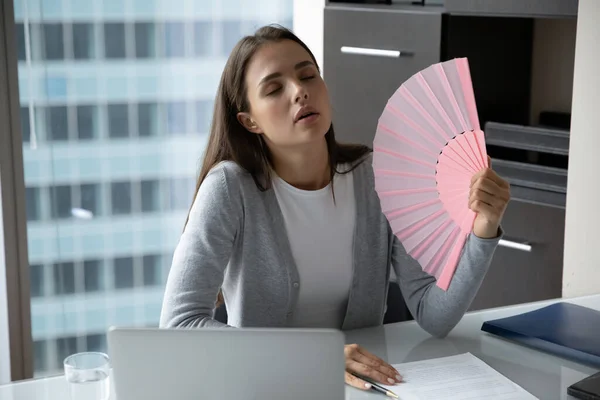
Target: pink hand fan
x,y
427,146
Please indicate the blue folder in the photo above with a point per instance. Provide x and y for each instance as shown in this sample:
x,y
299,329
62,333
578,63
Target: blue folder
x,y
563,329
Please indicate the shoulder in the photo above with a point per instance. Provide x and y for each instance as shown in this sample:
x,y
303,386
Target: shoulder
x,y
227,176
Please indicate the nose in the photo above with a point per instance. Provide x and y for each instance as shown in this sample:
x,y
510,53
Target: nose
x,y
301,94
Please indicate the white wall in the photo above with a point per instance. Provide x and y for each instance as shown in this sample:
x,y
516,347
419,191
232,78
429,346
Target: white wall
x,y
308,25
581,273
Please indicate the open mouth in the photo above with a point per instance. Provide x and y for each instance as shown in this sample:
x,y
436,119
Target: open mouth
x,y
307,115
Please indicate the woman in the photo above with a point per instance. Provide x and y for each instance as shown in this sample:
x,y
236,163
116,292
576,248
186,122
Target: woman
x,y
286,220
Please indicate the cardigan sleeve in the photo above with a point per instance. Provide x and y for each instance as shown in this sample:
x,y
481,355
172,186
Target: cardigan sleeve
x,y
202,255
435,310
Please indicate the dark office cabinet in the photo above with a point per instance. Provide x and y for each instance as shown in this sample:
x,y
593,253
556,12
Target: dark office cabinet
x,y
368,54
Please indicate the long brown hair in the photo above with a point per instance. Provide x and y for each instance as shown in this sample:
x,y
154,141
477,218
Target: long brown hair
x,y
230,141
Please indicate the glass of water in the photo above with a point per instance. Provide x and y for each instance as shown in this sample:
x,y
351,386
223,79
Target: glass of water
x,y
88,376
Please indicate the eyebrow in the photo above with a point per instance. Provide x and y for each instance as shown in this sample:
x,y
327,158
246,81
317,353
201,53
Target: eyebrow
x,y
274,75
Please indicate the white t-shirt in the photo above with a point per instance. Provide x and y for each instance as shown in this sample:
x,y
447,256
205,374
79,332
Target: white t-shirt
x,y
321,235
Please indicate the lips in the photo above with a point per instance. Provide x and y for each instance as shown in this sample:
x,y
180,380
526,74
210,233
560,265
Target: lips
x,y
305,112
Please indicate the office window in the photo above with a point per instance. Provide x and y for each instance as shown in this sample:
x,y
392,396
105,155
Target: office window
x,y
90,194
32,202
150,195
65,346
37,278
118,120
53,42
93,275
96,342
123,98
176,118
123,272
40,352
147,119
145,39
114,40
181,192
152,268
232,33
204,110
20,36
57,127
87,122
25,125
121,198
61,202
203,39
64,278
83,41
174,45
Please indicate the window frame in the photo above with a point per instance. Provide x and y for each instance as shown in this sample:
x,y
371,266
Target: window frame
x,y
15,336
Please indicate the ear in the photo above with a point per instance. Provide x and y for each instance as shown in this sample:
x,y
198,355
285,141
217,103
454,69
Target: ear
x,y
247,122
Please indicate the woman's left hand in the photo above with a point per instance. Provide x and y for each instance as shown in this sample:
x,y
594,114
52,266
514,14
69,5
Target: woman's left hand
x,y
488,197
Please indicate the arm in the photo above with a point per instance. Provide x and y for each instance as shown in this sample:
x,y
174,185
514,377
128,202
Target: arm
x,y
435,310
201,257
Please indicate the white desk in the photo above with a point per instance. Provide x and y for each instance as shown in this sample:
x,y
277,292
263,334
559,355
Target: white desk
x,y
545,376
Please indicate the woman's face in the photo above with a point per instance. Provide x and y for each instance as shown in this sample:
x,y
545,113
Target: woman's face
x,y
289,102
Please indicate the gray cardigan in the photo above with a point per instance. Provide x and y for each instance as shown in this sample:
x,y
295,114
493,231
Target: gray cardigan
x,y
236,239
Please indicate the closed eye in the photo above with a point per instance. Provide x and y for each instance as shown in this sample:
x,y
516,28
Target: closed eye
x,y
308,77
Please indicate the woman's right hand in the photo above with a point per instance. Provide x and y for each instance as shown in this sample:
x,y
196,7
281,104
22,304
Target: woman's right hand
x,y
361,362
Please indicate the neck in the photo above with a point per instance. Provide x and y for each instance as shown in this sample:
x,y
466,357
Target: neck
x,y
306,168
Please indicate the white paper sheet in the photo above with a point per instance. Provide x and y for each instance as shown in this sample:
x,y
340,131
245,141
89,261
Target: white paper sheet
x,y
458,377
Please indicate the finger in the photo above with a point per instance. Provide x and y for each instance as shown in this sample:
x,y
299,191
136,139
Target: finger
x,y
489,161
369,372
490,188
356,382
366,353
491,174
493,201
484,209
379,365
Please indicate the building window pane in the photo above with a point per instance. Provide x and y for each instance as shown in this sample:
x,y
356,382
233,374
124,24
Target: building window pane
x,y
40,355
121,198
56,123
61,202
203,39
53,42
114,40
83,41
151,265
96,342
176,118
87,120
37,280
32,199
232,33
123,272
203,116
174,39
118,120
90,194
64,278
93,275
147,119
21,53
25,125
150,196
64,348
181,193
145,40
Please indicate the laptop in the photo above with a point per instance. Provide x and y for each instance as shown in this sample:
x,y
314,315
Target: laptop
x,y
227,363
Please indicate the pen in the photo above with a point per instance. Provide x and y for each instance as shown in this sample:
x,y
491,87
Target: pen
x,y
377,388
